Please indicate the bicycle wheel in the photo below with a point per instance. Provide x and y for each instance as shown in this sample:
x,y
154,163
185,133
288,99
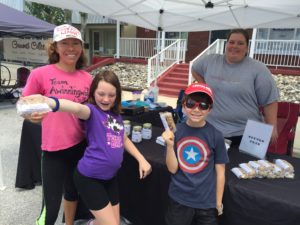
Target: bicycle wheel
x,y
5,77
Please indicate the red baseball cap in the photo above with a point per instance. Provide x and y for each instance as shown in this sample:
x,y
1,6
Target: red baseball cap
x,y
201,88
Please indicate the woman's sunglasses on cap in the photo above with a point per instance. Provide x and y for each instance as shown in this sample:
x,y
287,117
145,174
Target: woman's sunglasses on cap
x,y
192,104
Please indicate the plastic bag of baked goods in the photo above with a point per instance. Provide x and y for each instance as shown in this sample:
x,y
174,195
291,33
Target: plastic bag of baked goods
x,y
277,172
168,121
241,174
286,166
28,106
248,170
259,169
266,164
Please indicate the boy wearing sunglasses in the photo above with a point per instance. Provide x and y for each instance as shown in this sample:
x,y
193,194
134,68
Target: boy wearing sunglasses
x,y
196,158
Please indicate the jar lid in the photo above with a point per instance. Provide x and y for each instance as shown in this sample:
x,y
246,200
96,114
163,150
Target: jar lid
x,y
137,128
126,121
147,125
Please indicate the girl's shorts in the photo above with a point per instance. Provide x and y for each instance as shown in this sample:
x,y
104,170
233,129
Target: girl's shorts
x,y
95,193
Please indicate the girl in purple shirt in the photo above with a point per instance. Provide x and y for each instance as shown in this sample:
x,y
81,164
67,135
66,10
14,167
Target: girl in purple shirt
x,y
95,176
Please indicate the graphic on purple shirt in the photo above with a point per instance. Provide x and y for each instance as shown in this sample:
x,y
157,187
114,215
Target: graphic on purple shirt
x,y
105,136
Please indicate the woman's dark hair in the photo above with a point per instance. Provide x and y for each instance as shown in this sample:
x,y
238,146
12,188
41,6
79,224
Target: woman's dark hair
x,y
53,56
111,78
239,31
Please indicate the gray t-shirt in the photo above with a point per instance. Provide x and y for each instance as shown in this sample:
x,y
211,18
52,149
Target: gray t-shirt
x,y
239,89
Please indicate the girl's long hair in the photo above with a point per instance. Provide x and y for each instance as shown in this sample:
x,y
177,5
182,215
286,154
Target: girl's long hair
x,y
111,78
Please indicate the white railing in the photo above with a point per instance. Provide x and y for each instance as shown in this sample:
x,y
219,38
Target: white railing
x,y
141,47
276,53
165,59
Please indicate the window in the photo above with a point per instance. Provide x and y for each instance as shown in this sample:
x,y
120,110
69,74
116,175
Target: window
x,y
177,35
104,42
297,37
277,34
262,34
281,34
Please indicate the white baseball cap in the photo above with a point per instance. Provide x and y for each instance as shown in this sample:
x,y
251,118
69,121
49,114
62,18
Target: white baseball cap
x,y
66,31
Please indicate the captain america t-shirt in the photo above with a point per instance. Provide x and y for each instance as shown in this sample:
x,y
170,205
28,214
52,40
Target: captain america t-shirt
x,y
198,149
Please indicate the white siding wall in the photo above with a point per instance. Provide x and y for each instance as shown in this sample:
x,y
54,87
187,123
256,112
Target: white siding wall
x,y
16,4
92,19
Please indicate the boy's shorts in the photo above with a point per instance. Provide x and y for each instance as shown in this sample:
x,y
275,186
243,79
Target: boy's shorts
x,y
178,214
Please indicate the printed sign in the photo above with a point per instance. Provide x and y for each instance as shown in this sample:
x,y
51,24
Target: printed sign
x,y
25,50
256,139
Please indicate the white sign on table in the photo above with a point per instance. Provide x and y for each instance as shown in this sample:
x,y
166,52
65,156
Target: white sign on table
x,y
256,138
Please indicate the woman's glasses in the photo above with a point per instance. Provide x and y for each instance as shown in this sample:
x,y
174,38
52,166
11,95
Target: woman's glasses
x,y
192,104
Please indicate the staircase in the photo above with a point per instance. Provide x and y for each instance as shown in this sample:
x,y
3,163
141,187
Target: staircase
x,y
174,80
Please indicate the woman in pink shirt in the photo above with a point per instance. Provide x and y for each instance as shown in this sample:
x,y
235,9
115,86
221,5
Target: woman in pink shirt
x,y
63,141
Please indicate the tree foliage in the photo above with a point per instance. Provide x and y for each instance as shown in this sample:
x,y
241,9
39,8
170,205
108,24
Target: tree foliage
x,y
47,13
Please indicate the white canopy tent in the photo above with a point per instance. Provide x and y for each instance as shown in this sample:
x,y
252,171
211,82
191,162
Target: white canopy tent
x,y
191,15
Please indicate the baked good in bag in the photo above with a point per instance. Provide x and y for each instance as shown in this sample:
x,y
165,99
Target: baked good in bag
x,y
30,106
167,121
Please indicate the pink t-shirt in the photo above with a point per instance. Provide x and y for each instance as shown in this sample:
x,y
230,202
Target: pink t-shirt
x,y
60,130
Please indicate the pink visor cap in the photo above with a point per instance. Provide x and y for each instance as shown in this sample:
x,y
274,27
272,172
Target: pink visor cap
x,y
199,88
66,31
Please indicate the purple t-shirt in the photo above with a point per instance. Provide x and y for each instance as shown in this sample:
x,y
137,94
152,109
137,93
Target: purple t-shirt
x,y
105,136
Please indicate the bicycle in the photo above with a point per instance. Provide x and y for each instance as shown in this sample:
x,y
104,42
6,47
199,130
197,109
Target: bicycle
x,y
6,86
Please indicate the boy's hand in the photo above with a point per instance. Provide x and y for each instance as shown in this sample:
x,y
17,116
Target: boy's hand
x,y
220,209
168,137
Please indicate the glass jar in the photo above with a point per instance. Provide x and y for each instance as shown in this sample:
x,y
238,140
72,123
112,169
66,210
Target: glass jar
x,y
147,131
136,134
127,127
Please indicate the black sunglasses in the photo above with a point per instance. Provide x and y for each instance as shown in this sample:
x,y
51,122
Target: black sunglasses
x,y
192,104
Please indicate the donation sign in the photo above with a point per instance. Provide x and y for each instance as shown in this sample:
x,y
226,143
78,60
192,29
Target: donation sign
x,y
256,138
25,50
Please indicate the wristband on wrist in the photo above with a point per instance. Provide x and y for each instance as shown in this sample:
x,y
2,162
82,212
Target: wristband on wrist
x,y
56,108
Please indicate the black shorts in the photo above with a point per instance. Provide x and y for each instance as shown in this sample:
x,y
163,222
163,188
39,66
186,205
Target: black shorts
x,y
178,214
95,193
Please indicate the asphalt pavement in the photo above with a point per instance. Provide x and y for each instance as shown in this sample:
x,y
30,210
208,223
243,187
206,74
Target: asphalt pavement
x,y
17,207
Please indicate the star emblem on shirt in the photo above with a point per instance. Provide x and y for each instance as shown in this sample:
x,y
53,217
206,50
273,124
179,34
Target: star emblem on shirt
x,y
191,154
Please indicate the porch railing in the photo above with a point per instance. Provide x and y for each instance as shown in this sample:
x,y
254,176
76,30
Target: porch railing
x,y
141,47
166,58
278,53
275,53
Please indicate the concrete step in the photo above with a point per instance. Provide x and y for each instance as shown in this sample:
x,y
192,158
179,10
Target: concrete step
x,y
182,68
169,92
174,80
174,84
169,79
177,74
